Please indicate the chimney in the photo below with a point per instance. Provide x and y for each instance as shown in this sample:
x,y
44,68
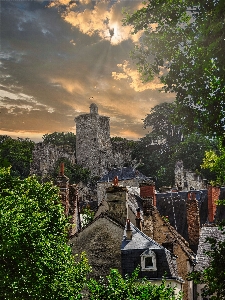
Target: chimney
x,y
128,230
193,221
61,173
147,190
213,196
116,197
138,218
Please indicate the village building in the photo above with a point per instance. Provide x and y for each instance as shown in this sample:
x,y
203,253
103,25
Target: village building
x,y
159,231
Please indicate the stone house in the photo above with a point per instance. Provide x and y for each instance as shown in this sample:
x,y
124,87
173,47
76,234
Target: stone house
x,y
155,261
106,242
101,240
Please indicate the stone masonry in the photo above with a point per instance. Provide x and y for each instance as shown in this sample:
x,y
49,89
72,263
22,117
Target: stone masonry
x,y
93,145
45,157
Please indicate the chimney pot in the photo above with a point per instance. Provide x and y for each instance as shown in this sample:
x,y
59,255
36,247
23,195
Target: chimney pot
x,y
138,218
128,230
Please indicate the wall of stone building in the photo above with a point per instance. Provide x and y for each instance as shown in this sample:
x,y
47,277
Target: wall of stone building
x,y
45,157
101,241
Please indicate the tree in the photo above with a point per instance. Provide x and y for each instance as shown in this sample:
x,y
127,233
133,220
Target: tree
x,y
74,172
60,138
35,260
16,153
215,162
115,287
166,143
160,120
183,44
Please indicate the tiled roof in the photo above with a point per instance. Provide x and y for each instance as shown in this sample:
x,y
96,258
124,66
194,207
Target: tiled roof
x,y
124,173
207,232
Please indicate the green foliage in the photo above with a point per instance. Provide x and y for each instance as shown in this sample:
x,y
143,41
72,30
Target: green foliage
x,y
213,277
215,162
160,149
35,260
61,138
87,216
16,153
115,287
163,129
183,44
74,172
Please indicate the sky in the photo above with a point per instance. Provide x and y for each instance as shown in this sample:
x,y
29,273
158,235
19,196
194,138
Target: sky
x,y
56,58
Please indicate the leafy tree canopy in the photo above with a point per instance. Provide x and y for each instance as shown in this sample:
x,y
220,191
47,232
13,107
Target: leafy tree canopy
x,y
183,44
60,138
215,162
16,153
35,260
74,172
166,143
115,287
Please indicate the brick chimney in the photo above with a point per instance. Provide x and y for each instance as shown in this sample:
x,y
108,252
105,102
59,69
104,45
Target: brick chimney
x,y
213,196
116,197
138,218
193,220
147,190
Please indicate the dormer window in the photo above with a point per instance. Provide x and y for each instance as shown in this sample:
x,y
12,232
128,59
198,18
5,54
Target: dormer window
x,y
148,261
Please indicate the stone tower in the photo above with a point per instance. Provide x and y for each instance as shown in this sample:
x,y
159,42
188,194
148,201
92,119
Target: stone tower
x,y
93,145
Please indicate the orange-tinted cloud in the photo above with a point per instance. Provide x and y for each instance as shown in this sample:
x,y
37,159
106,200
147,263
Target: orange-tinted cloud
x,y
134,78
103,19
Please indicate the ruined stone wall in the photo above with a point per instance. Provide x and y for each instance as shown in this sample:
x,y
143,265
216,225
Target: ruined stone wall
x,y
186,180
121,152
45,157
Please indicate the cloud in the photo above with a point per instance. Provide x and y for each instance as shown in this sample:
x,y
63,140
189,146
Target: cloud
x,y
71,86
15,102
134,78
102,18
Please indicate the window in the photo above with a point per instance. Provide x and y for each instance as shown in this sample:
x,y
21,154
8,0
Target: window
x,y
148,260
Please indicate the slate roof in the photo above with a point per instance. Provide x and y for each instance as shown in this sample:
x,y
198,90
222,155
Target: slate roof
x,y
206,232
140,242
124,173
